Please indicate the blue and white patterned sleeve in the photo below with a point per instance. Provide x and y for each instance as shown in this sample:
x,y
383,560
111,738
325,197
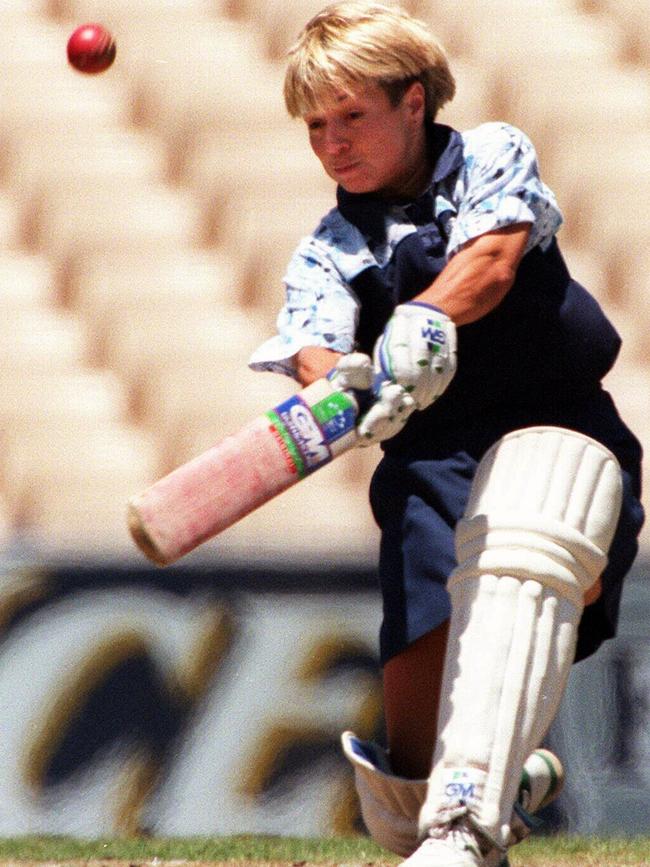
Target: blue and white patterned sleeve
x,y
320,310
500,186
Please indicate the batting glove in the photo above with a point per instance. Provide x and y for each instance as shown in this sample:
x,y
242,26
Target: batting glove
x,y
388,405
387,416
353,372
417,351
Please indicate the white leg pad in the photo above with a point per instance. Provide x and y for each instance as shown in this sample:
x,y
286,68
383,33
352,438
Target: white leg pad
x,y
539,522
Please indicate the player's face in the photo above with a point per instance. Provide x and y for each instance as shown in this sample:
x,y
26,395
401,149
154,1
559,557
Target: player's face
x,y
367,145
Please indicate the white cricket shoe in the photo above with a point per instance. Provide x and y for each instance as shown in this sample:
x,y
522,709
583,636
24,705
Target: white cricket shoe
x,y
459,841
456,842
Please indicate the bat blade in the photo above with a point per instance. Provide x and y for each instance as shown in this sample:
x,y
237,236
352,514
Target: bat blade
x,y
206,495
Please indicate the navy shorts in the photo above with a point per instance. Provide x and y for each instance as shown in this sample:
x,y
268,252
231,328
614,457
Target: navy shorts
x,y
417,499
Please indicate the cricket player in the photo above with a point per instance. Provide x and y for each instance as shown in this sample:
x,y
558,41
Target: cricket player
x,y
508,494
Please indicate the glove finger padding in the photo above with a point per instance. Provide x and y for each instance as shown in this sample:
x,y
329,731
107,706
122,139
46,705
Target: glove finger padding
x,y
353,371
387,416
390,404
418,351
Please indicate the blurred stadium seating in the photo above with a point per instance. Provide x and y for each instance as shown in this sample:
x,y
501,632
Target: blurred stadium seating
x,y
139,263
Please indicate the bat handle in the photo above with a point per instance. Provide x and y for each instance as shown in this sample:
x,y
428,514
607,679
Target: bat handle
x,y
364,398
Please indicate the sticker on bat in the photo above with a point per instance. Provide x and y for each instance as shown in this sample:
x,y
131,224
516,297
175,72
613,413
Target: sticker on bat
x,y
307,432
336,414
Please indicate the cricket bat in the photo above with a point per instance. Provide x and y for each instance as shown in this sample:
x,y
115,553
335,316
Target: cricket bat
x,y
241,472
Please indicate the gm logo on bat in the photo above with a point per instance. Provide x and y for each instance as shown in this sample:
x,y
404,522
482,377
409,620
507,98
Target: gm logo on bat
x,y
310,439
311,434
305,432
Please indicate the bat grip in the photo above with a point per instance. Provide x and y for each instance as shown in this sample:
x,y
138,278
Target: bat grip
x,y
363,397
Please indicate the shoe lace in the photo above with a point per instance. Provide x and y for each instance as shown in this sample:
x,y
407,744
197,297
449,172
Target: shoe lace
x,y
460,820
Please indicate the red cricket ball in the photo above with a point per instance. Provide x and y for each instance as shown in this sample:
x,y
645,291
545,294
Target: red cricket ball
x,y
91,48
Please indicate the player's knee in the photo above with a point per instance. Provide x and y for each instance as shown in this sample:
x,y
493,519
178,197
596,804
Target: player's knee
x,y
544,505
593,594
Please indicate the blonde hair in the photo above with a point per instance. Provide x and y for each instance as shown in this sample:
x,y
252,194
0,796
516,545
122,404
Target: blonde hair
x,y
356,43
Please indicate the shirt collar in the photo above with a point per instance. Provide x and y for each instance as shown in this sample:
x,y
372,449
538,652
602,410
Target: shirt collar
x,y
367,212
447,149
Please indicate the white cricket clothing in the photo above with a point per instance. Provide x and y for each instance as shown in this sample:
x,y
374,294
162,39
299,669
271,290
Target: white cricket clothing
x,y
539,522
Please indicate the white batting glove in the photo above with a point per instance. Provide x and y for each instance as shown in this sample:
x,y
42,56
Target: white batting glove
x,y
352,372
387,415
417,351
390,405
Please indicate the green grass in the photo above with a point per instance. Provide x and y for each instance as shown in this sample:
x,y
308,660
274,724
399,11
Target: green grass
x,y
240,848
340,850
564,845
583,850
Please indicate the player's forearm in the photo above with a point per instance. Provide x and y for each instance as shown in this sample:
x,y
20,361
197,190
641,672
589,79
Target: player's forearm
x,y
313,362
467,292
479,276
